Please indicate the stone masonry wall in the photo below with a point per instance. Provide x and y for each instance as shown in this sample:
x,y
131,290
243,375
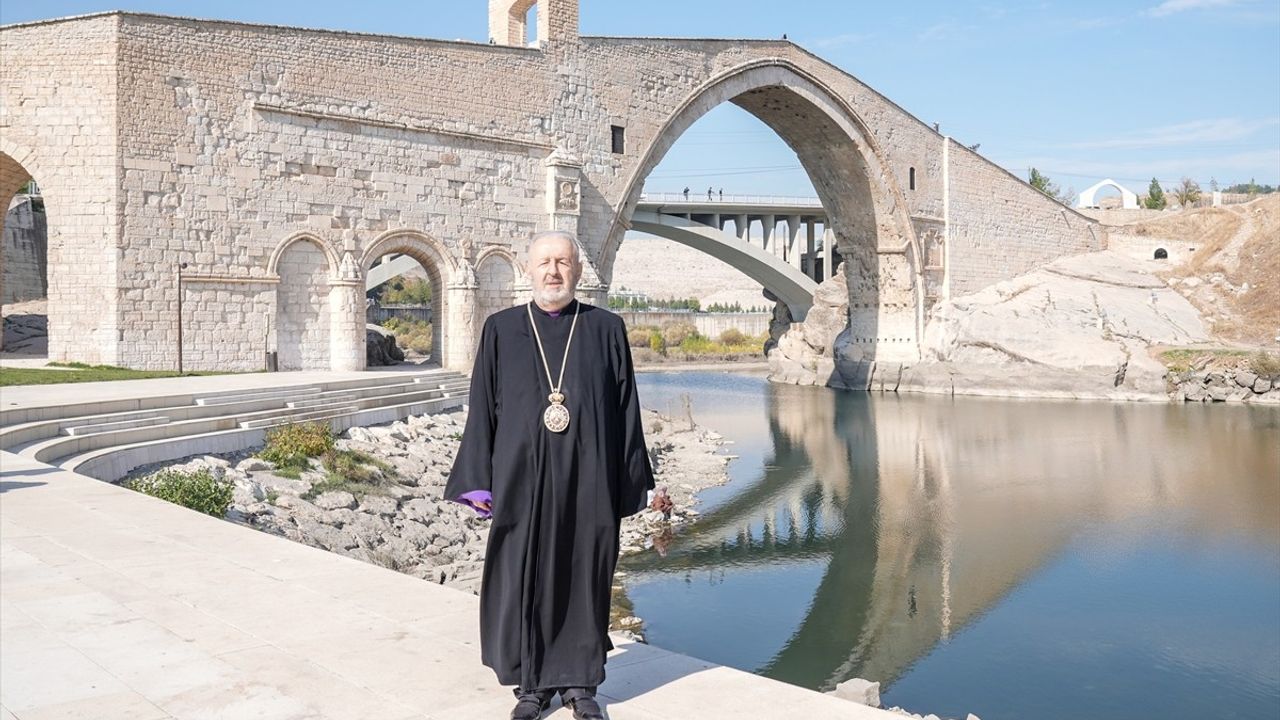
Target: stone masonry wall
x,y
1001,227
58,123
240,136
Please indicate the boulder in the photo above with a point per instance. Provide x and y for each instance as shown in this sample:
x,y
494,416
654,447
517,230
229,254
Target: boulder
x,y
863,692
254,464
335,500
380,346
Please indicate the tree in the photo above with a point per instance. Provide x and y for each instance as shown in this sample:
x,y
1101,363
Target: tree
x,y
1155,196
1187,192
1042,183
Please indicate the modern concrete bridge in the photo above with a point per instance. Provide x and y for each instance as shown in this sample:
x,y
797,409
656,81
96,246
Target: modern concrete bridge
x,y
789,261
776,240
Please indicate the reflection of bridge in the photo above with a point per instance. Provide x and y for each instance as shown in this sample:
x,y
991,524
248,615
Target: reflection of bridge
x,y
775,240
924,515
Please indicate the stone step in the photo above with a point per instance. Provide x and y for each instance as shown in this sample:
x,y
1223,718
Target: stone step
x,y
323,399
95,428
312,416
112,463
268,394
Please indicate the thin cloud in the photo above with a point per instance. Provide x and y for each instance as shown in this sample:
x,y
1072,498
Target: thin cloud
x,y
1172,7
1188,133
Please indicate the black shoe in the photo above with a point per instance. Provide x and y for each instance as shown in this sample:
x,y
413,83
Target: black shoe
x,y
585,707
530,706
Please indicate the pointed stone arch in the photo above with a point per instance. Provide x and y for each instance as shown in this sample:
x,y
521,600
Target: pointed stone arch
x,y
866,207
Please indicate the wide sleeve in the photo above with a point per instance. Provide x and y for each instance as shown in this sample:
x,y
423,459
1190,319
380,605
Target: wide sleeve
x,y
472,475
637,478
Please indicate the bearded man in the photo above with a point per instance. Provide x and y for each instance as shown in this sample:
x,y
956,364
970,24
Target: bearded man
x,y
554,452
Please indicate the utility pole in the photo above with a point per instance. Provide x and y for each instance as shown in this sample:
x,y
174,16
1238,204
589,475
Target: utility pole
x,y
181,266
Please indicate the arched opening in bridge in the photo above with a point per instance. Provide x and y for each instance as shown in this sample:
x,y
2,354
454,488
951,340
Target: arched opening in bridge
x,y
853,209
24,278
1161,254
721,158
406,294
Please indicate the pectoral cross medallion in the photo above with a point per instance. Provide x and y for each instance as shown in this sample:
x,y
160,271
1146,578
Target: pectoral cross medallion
x,y
556,416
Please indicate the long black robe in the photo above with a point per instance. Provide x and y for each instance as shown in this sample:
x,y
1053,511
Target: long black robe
x,y
558,498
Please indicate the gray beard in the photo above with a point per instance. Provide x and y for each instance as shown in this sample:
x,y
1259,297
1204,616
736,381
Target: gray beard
x,y
548,296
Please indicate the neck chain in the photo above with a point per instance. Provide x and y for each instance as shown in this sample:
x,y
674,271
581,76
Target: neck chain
x,y
556,416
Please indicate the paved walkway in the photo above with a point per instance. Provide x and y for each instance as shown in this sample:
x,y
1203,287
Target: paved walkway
x,y
117,605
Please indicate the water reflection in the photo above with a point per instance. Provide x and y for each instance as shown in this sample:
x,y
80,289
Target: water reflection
x,y
877,528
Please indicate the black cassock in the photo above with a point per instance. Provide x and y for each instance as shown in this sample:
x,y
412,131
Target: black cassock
x,y
558,498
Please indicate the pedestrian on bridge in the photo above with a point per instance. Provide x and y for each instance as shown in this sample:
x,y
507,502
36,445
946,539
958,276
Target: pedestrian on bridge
x,y
686,193
710,195
554,453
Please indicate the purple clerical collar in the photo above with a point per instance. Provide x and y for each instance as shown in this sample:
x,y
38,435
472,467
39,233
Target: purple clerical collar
x,y
555,313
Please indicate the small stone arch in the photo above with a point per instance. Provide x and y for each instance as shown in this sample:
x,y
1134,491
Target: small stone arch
x,y
497,275
306,267
441,267
331,255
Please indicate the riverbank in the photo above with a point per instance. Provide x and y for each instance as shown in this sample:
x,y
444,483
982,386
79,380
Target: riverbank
x,y
396,516
745,367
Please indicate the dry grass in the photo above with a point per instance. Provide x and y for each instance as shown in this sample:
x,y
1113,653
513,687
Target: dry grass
x,y
1251,316
1211,228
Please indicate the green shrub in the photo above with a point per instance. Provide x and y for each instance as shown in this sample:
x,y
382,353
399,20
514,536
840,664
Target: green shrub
x,y
733,336
695,344
198,490
290,445
674,333
352,471
656,343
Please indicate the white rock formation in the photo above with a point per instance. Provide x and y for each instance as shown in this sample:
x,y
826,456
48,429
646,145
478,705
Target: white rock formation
x,y
1079,327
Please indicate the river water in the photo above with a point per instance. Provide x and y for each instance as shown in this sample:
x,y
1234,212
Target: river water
x,y
1015,559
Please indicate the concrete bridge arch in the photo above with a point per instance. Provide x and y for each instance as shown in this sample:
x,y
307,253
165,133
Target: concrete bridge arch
x,y
864,205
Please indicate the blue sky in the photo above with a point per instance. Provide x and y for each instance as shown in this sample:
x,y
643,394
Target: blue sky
x,y
1083,90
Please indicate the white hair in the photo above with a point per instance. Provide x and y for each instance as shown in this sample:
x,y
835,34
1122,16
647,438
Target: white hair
x,y
573,242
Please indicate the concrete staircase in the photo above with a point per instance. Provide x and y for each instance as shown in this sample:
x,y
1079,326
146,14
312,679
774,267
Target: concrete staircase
x,y
107,439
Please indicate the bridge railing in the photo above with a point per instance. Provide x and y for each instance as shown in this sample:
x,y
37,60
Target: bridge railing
x,y
717,199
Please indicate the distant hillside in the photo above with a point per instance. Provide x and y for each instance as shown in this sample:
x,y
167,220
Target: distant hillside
x,y
663,269
1233,277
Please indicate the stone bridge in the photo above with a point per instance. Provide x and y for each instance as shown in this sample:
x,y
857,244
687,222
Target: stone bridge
x,y
272,167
